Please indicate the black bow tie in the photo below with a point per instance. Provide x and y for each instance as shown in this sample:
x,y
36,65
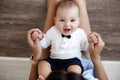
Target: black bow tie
x,y
68,36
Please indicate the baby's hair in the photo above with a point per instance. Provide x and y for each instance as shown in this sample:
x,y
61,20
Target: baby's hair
x,y
66,4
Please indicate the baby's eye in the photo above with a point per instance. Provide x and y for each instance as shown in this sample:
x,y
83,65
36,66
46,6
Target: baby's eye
x,y
62,20
72,20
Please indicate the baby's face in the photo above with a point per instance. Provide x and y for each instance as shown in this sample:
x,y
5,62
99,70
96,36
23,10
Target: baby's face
x,y
67,20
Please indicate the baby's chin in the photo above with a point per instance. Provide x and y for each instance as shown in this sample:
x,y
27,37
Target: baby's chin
x,y
66,33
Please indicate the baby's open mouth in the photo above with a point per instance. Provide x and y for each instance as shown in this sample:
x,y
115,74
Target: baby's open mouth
x,y
66,30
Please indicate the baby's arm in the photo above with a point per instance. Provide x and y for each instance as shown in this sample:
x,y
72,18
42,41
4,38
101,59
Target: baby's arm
x,y
44,39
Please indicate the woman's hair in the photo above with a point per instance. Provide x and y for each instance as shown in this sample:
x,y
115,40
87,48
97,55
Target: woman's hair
x,y
66,4
73,76
56,75
62,75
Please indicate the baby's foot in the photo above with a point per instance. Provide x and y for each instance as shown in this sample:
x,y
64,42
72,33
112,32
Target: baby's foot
x,y
40,78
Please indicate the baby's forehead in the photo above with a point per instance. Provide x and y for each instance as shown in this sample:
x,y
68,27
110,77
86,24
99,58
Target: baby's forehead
x,y
67,13
67,4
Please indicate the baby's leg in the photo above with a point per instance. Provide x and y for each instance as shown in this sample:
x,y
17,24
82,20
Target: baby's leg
x,y
44,69
74,68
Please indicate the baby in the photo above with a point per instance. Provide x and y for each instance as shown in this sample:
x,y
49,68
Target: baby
x,y
67,41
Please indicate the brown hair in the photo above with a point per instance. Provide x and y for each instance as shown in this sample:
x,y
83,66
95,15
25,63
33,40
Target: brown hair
x,y
66,3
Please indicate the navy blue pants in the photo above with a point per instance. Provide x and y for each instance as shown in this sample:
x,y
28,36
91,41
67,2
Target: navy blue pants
x,y
63,64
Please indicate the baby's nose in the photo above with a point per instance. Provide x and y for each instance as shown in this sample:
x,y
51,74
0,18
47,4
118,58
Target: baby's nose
x,y
67,24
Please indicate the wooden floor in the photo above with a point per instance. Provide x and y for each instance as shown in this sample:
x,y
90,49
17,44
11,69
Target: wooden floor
x,y
19,68
18,16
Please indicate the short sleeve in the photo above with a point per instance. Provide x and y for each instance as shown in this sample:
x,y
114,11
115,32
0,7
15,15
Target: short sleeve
x,y
84,42
45,42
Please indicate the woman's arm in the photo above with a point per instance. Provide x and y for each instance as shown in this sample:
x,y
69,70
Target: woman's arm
x,y
84,20
36,54
50,14
95,50
99,70
33,73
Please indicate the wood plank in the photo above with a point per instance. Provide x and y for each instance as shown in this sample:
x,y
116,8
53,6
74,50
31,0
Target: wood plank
x,y
18,16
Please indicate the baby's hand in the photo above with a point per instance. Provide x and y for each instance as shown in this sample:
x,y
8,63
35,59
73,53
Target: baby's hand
x,y
37,34
92,37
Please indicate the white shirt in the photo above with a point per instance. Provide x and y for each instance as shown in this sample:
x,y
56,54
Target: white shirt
x,y
64,48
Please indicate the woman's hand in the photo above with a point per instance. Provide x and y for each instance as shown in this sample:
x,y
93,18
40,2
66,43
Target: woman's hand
x,y
34,44
37,34
96,45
